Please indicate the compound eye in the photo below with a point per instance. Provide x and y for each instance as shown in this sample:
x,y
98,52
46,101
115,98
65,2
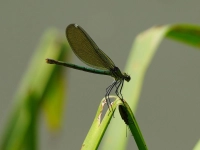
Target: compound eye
x,y
127,77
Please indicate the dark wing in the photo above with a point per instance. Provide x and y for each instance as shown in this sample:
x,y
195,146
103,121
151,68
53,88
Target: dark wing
x,y
86,49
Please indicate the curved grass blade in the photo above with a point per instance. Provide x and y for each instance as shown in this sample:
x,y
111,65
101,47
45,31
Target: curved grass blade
x,y
99,126
130,121
143,49
20,133
197,146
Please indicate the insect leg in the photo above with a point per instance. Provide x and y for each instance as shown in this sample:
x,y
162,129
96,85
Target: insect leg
x,y
108,91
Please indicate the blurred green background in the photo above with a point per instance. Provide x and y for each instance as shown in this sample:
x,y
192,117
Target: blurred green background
x,y
168,109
